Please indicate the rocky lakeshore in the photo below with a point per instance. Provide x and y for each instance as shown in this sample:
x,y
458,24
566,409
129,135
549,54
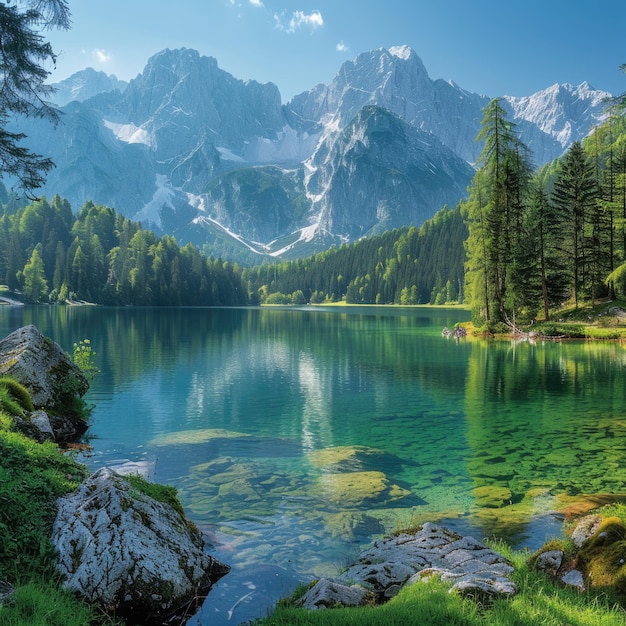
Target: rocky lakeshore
x,y
116,546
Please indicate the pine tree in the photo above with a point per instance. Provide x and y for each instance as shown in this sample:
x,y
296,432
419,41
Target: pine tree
x,y
23,56
548,224
497,271
35,284
576,194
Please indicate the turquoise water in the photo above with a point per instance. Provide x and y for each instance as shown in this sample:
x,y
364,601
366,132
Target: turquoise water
x,y
297,436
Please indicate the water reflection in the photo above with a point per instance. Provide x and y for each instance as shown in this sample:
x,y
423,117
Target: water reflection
x,y
296,436
546,425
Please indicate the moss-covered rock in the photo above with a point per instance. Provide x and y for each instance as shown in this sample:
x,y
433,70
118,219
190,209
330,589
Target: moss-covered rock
x,y
603,556
492,496
357,489
53,382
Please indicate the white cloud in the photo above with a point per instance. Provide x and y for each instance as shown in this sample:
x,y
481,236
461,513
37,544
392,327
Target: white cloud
x,y
341,47
298,20
101,56
238,4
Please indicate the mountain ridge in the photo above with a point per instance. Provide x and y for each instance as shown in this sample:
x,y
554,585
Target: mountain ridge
x,y
164,148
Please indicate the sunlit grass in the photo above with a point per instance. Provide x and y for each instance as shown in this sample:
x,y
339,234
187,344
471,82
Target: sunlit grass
x,y
539,602
44,604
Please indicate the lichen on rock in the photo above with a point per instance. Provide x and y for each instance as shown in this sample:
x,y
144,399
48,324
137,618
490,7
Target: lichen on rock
x,y
129,552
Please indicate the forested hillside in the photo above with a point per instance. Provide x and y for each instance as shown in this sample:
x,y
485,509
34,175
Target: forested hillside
x,y
51,255
401,266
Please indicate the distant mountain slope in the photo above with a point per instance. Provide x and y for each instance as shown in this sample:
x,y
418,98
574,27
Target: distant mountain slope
x,y
564,112
84,85
382,145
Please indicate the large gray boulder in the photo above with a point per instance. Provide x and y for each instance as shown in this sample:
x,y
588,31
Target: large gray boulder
x,y
128,552
55,384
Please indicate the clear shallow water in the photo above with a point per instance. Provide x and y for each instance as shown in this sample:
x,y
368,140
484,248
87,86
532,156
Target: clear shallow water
x,y
297,436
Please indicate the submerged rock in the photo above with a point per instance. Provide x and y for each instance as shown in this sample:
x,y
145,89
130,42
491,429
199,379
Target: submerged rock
x,y
492,496
128,552
358,489
352,459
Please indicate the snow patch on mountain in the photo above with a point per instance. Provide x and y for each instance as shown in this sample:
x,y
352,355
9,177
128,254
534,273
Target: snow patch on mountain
x,y
204,219
307,234
229,155
289,146
129,133
163,197
402,52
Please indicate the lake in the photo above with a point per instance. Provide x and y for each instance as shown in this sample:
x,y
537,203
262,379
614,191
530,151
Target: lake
x,y
297,436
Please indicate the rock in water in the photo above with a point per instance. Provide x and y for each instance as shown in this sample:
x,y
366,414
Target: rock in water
x,y
128,552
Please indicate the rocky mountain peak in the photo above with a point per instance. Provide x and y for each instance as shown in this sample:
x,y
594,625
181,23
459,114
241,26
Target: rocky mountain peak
x,y
392,172
562,111
85,84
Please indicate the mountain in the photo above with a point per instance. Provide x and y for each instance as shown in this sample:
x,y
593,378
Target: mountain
x,y
378,173
84,85
192,151
397,80
381,172
564,112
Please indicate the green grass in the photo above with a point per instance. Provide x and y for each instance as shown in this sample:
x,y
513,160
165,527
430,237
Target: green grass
x,y
588,321
539,602
43,604
32,476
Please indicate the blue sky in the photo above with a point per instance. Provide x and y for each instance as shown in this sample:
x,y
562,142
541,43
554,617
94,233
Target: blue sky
x,y
487,46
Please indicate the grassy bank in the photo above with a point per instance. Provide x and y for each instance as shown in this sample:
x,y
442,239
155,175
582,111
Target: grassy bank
x,y
604,320
539,602
32,477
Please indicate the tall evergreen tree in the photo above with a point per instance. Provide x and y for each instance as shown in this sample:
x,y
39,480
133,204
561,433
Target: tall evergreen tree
x,y
35,284
23,56
496,214
548,224
576,194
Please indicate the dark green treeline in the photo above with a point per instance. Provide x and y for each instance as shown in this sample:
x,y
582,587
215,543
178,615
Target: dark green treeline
x,y
51,255
402,266
541,240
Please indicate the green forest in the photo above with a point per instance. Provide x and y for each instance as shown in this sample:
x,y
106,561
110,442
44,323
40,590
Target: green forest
x,y
51,255
522,244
